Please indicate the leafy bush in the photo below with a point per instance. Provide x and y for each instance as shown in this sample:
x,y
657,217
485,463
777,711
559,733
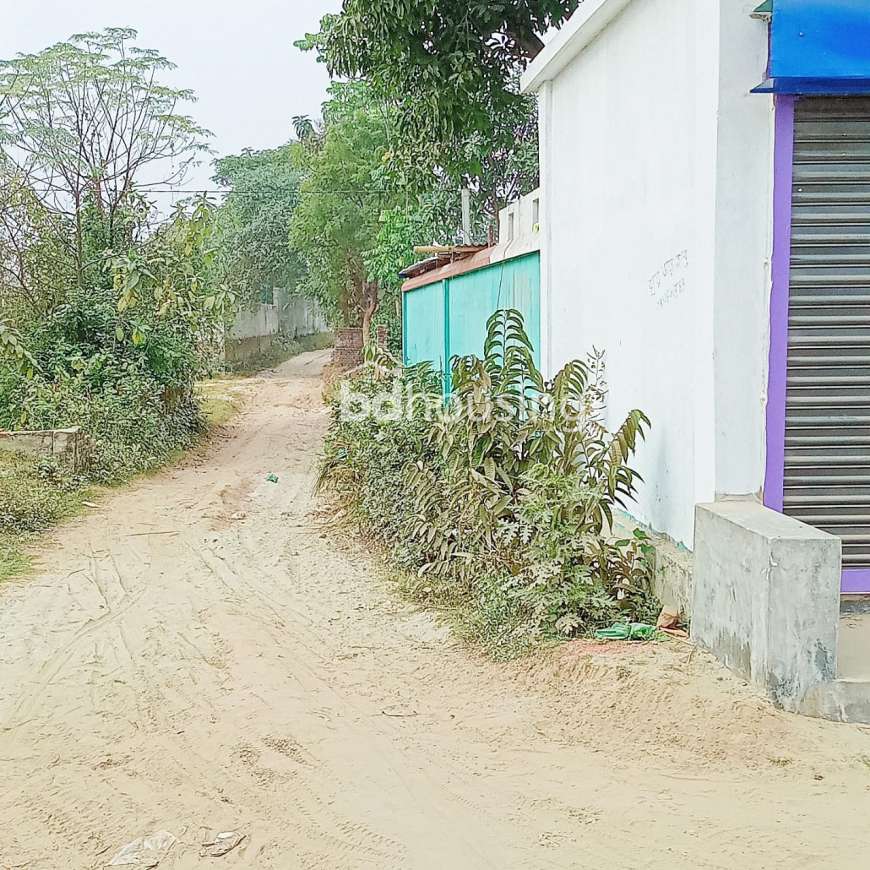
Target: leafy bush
x,y
503,497
131,422
34,495
365,462
119,354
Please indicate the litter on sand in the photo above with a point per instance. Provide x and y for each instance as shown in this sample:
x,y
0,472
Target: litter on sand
x,y
146,852
217,845
272,478
627,631
670,623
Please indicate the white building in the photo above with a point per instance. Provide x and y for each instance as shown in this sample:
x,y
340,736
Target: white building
x,y
706,221
657,189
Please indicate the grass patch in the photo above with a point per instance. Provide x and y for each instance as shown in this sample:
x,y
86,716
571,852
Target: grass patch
x,y
280,353
217,403
35,494
485,622
14,562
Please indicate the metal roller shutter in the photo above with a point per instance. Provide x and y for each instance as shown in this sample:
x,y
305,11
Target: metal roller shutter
x,y
827,455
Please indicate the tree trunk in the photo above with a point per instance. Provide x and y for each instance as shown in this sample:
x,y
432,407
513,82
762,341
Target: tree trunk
x,y
370,307
80,245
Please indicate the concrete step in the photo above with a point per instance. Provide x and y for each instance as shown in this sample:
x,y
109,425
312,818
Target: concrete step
x,y
847,699
843,700
853,657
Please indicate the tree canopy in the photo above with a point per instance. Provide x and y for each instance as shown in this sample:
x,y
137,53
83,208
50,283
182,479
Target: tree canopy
x,y
344,191
255,219
83,119
450,66
108,308
359,214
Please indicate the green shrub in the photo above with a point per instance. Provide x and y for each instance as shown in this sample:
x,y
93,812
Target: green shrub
x,y
118,353
503,497
365,463
34,494
132,422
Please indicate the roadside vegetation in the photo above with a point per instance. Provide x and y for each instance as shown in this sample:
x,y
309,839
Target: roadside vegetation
x,y
38,493
107,307
499,503
35,494
371,191
111,309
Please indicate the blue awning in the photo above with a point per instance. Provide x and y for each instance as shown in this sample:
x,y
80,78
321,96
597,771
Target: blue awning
x,y
819,87
819,47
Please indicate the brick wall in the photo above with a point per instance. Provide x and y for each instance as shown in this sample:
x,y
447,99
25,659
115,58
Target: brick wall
x,y
348,352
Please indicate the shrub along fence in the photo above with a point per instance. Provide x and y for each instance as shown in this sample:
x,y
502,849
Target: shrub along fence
x,y
500,500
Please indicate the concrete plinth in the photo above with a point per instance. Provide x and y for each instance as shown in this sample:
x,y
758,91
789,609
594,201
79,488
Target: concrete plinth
x,y
767,598
66,444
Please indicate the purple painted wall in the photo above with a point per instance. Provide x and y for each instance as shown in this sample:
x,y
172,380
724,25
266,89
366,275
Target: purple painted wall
x,y
780,273
856,581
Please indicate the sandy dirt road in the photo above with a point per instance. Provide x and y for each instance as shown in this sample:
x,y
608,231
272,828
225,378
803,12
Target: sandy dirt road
x,y
199,653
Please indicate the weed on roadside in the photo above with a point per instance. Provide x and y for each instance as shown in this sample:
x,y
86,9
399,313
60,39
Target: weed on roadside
x,y
496,505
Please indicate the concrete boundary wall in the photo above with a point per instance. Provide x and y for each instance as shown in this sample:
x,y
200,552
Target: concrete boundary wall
x,y
767,598
656,234
519,228
257,329
66,444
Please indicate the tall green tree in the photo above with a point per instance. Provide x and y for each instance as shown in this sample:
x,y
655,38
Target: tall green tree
x,y
450,66
438,137
345,189
105,306
35,261
255,218
360,214
83,120
433,217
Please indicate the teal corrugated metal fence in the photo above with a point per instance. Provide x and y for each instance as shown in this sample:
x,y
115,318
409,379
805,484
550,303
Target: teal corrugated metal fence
x,y
424,307
448,317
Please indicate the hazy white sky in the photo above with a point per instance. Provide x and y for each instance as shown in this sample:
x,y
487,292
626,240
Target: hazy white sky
x,y
237,55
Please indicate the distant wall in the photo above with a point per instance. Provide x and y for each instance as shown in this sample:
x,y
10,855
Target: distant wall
x,y
256,330
519,228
